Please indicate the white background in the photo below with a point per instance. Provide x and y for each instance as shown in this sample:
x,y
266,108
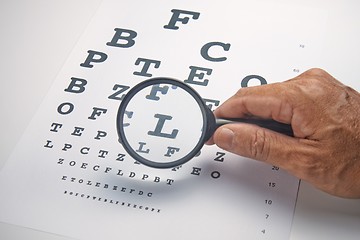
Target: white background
x,y
37,36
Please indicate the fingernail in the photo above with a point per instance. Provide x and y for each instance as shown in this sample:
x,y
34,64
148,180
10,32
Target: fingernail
x,y
225,138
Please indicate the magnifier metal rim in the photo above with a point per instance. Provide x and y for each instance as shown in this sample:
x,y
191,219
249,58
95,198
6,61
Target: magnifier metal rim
x,y
121,113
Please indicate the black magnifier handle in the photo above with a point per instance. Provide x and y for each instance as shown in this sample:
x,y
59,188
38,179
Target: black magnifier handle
x,y
264,123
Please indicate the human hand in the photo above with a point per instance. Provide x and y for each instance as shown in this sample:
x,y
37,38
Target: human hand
x,y
325,117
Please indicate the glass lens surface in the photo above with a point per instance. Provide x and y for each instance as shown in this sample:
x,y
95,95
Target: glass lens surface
x,y
163,123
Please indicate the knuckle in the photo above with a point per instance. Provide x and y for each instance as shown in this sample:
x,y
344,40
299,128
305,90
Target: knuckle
x,y
240,93
259,147
316,72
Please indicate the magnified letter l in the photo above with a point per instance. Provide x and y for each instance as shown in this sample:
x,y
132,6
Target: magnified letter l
x,y
159,126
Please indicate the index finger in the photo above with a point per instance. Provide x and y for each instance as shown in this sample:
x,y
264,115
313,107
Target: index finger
x,y
266,101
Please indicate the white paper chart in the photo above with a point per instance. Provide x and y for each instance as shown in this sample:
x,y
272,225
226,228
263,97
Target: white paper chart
x,y
69,175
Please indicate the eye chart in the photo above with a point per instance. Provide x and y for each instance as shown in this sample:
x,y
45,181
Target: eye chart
x,y
69,175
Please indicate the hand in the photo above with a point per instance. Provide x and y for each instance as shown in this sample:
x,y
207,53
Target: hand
x,y
325,117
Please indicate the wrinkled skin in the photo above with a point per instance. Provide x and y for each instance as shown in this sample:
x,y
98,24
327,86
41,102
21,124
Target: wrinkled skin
x,y
325,117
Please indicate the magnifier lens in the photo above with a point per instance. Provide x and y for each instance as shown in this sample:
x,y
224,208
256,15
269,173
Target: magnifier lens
x,y
161,122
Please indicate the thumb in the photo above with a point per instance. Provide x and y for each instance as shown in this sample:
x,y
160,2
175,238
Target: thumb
x,y
255,142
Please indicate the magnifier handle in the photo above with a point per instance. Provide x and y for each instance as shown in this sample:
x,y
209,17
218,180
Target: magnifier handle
x,y
264,123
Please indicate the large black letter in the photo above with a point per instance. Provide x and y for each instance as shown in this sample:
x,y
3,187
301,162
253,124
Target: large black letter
x,y
77,85
176,18
194,73
147,63
159,126
127,38
205,51
94,57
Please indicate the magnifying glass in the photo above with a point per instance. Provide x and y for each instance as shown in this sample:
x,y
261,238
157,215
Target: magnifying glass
x,y
163,123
